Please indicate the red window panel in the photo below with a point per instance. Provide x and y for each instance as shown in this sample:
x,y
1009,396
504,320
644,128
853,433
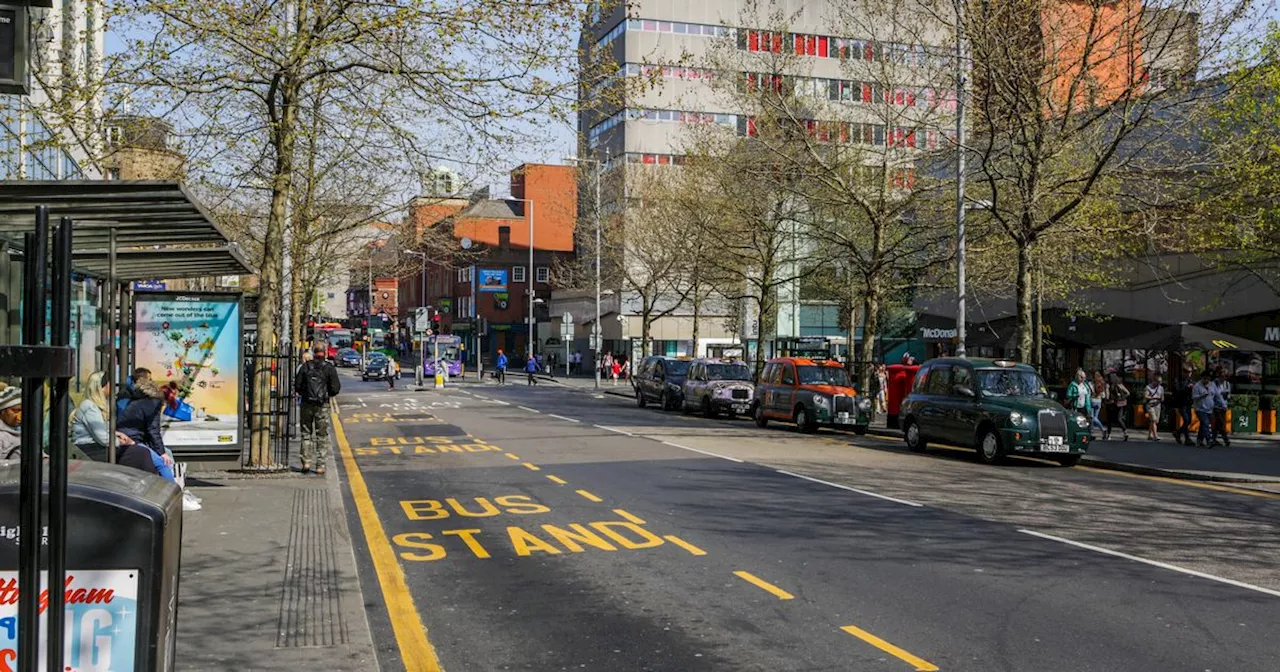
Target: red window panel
x,y
798,44
650,158
869,52
751,128
753,40
664,160
811,45
777,43
823,47
844,133
899,98
911,139
866,93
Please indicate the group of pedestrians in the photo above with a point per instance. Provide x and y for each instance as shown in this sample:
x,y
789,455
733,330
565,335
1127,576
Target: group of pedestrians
x,y
1106,402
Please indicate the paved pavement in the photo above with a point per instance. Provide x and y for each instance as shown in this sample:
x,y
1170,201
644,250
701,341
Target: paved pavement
x,y
546,529
268,578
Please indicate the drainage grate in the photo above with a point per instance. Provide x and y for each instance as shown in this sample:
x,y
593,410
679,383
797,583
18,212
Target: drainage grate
x,y
310,604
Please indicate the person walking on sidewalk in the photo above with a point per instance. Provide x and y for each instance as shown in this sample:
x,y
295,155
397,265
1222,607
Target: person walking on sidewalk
x,y
1097,390
531,367
1181,400
1153,402
1080,396
1202,398
317,382
501,368
1222,391
1116,399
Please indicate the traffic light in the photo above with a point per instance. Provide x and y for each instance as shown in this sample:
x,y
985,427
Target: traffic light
x,y
435,317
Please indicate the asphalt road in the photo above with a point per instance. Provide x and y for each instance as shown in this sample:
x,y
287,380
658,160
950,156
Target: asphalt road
x,y
555,529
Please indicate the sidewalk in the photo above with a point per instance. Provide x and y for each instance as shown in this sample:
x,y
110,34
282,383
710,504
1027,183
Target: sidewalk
x,y
268,578
1255,460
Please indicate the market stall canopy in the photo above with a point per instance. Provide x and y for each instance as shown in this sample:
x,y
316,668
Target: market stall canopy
x,y
161,231
1185,337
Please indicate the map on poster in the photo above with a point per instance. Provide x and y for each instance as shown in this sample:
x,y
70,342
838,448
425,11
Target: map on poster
x,y
101,624
191,344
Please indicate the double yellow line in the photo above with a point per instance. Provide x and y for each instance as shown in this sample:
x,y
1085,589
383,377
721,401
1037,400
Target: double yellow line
x,y
411,635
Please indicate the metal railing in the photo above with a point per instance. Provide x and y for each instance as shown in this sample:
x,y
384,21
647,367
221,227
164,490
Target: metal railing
x,y
281,415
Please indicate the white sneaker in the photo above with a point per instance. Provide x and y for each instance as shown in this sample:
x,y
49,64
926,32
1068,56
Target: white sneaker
x,y
189,503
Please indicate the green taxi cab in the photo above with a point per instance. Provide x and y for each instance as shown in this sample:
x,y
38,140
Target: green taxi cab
x,y
997,406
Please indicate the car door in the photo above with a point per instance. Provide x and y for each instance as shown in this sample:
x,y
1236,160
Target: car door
x,y
696,385
785,398
935,411
965,410
765,388
644,377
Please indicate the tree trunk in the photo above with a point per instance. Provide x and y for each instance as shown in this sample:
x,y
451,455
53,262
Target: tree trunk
x,y
282,142
697,317
646,321
870,329
1025,341
1037,329
295,293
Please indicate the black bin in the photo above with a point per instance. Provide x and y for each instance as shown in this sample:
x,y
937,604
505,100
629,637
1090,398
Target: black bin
x,y
124,541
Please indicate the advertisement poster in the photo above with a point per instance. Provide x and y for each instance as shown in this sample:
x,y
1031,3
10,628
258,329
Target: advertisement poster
x,y
491,280
101,623
192,345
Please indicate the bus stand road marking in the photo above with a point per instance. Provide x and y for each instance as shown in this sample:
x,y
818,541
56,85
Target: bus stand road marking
x,y
556,479
921,665
764,585
588,496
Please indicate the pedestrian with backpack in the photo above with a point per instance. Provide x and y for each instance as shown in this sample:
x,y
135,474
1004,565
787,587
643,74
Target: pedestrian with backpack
x,y
501,365
317,382
531,367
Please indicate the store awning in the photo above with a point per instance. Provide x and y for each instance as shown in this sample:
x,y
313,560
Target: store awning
x,y
161,231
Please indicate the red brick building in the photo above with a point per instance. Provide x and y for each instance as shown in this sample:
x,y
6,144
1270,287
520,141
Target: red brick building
x,y
486,283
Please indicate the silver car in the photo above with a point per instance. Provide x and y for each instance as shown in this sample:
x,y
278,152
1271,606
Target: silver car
x,y
716,386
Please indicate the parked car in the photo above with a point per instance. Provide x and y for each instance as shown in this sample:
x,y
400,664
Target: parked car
x,y
348,358
716,386
809,393
375,367
998,407
661,380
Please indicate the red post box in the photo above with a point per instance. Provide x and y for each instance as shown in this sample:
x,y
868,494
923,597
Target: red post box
x,y
901,377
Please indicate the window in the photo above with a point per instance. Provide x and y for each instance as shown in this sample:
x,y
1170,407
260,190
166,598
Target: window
x,y
788,375
543,274
962,377
330,295
517,274
939,381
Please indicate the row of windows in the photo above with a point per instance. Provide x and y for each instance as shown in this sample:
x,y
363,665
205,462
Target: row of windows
x,y
652,26
845,133
543,274
825,46
676,116
850,91
668,71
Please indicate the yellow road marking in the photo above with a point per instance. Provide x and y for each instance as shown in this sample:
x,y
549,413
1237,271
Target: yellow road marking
x,y
764,585
411,635
532,467
557,479
635,519
589,496
1179,481
920,664
684,544
513,456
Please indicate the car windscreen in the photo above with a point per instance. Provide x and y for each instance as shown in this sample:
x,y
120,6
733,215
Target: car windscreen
x,y
677,367
823,375
728,372
1010,383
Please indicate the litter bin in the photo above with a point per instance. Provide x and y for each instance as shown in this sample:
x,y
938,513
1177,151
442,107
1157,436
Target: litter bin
x,y
124,539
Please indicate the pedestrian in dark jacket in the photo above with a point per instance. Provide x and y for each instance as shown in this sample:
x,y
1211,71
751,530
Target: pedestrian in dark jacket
x,y
316,383
140,420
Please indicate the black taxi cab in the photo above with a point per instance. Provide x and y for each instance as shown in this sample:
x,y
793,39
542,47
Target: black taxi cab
x,y
998,407
809,393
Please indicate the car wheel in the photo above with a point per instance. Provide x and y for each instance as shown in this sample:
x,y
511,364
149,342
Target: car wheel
x,y
915,440
364,378
989,449
757,414
707,409
860,430
1068,460
804,420
684,407
640,400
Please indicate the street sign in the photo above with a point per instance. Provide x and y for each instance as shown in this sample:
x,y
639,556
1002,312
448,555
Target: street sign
x,y
422,319
566,318
566,331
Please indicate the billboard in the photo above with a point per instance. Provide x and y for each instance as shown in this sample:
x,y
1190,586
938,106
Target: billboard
x,y
101,624
491,280
192,344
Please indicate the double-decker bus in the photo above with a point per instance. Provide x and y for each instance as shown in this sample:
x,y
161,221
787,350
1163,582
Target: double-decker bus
x,y
335,336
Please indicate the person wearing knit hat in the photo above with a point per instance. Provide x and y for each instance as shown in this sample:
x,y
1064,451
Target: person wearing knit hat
x,y
10,422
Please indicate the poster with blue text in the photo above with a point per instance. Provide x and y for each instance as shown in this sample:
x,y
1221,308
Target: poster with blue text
x,y
192,345
101,624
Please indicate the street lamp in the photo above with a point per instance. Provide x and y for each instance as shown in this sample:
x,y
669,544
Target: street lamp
x,y
422,303
530,275
595,329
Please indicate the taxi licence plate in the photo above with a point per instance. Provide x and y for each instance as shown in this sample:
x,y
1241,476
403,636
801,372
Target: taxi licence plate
x,y
739,408
1054,444
843,418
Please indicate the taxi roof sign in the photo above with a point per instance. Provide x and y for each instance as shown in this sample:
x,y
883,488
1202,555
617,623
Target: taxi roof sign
x,y
1004,362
